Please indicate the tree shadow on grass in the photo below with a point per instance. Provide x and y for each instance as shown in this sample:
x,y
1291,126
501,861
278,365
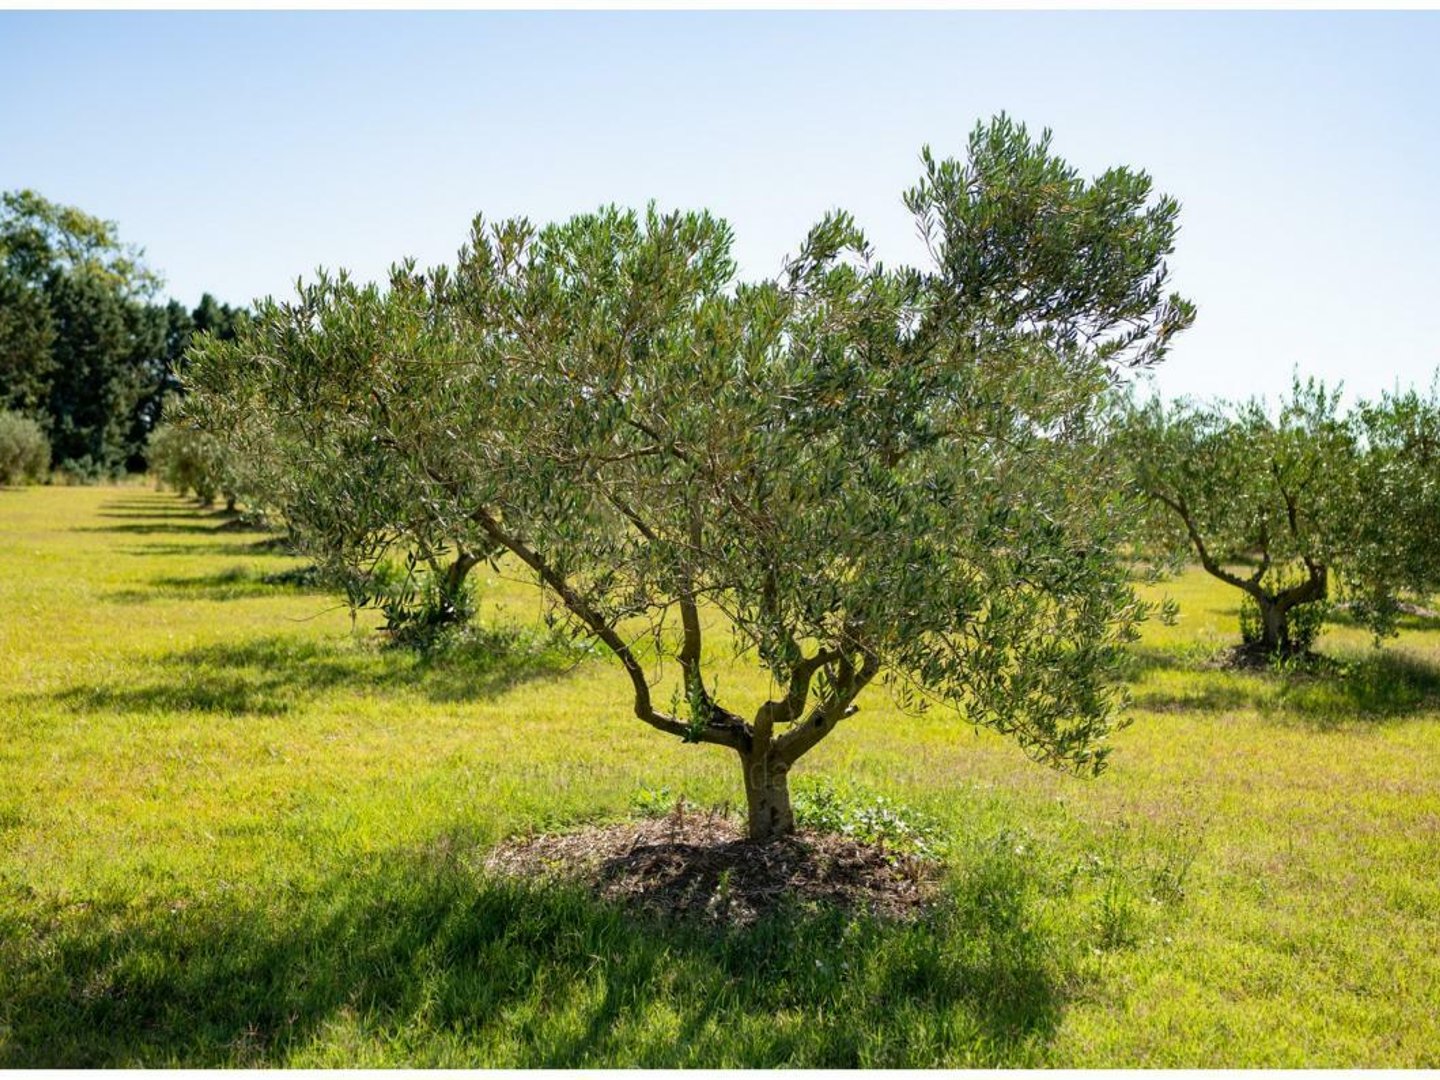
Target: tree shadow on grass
x,y
162,549
153,526
423,959
160,501
270,676
1326,693
158,512
236,583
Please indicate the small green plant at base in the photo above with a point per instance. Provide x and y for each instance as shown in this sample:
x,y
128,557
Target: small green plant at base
x,y
652,802
1117,920
870,818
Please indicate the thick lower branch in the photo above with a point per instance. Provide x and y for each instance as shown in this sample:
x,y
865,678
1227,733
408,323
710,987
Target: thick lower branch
x,y
1198,542
719,733
822,720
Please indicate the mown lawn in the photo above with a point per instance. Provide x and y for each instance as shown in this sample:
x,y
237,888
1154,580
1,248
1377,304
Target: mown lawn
x,y
233,831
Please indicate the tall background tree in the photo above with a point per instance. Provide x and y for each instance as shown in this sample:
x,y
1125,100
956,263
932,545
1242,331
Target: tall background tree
x,y
865,470
84,348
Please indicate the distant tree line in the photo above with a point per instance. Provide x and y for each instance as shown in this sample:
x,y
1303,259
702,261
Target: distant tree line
x,y
87,352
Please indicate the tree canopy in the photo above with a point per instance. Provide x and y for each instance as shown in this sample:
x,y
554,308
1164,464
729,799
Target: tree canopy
x,y
872,473
1398,552
1273,503
84,348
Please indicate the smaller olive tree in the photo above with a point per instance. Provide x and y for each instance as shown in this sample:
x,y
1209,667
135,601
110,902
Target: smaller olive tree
x,y
1399,552
190,461
24,450
303,448
1269,503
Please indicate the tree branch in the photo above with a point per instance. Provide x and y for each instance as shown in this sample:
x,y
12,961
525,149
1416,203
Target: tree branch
x,y
800,739
1211,566
717,733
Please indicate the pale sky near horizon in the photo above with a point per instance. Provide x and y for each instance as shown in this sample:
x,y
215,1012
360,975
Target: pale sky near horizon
x,y
245,149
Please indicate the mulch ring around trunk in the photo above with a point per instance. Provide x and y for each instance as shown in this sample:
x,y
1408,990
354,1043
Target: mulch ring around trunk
x,y
698,864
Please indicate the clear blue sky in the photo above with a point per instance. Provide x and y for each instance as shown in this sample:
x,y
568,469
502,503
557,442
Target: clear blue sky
x,y
245,149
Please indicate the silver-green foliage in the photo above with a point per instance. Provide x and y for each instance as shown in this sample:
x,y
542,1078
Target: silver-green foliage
x,y
867,469
300,402
24,450
1400,478
1270,502
189,461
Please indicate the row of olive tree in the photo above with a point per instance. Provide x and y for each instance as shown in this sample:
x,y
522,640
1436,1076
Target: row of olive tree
x,y
1294,506
874,473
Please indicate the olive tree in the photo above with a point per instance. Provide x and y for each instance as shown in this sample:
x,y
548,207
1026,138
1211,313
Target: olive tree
x,y
1269,502
190,461
1399,551
284,395
868,473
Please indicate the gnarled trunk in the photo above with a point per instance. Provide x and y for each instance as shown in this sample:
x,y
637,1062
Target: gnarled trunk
x,y
1275,636
1274,626
767,796
452,584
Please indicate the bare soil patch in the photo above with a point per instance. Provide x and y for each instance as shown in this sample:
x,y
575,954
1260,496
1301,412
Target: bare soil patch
x,y
698,864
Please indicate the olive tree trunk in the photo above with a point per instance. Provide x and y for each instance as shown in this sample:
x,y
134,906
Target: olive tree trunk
x,y
1274,626
767,796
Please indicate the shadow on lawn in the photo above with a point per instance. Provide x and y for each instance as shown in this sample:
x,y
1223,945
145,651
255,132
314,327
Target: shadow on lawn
x,y
151,549
421,957
152,526
236,583
1328,693
270,676
161,514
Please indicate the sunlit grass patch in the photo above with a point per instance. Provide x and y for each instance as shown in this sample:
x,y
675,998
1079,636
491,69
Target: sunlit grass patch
x,y
236,829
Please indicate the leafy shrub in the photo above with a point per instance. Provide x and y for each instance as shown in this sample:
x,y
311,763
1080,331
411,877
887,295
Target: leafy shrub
x,y
866,817
423,611
24,450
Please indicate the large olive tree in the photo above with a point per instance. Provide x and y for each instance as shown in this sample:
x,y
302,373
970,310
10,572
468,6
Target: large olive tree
x,y
871,473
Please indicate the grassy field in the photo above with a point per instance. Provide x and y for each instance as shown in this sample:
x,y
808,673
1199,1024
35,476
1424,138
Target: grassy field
x,y
235,832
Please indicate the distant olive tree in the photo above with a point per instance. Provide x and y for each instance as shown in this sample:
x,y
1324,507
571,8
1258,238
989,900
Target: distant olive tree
x,y
191,461
24,450
869,473
1268,502
1400,482
307,451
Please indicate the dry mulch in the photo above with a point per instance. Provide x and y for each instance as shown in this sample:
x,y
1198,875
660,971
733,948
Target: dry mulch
x,y
698,864
1254,658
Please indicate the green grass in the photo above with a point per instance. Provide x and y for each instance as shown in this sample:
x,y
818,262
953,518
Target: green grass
x,y
235,832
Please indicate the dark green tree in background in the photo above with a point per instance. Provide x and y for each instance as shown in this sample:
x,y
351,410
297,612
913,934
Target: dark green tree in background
x,y
85,350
